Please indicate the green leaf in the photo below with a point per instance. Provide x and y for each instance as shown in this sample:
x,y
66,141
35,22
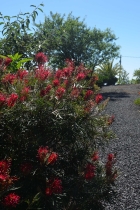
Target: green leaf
x,y
32,5
2,56
1,23
40,9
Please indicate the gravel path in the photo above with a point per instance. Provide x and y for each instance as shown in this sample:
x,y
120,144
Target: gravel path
x,y
127,144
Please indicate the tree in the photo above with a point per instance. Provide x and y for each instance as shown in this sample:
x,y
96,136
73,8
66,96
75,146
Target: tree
x,y
123,77
137,75
17,36
107,73
69,38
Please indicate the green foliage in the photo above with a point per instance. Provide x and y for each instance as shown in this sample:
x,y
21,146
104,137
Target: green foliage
x,y
137,101
107,73
17,62
17,34
123,77
51,126
67,37
137,75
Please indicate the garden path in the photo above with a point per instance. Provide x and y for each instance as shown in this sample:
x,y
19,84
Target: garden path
x,y
127,144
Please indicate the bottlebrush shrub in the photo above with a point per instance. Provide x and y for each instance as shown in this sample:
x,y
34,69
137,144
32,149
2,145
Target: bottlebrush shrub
x,y
51,124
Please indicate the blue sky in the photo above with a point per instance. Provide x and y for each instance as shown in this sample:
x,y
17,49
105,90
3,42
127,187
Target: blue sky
x,y
121,16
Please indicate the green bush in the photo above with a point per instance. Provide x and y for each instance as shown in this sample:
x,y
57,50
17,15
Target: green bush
x,y
137,101
51,126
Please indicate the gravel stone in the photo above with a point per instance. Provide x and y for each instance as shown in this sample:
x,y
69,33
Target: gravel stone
x,y
127,144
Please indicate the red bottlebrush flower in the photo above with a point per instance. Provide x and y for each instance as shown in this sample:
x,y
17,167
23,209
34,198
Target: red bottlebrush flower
x,y
4,166
89,171
95,156
42,92
48,88
52,158
42,74
55,82
110,157
56,186
67,72
60,92
45,91
98,98
88,94
21,74
9,78
66,83
48,191
42,152
41,58
26,168
80,76
110,120
2,99
12,99
58,74
24,93
75,93
7,61
3,178
11,200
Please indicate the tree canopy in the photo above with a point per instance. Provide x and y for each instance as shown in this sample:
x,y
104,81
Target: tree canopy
x,y
137,75
69,38
60,37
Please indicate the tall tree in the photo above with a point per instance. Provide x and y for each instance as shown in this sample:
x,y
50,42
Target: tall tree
x,y
123,77
67,37
137,75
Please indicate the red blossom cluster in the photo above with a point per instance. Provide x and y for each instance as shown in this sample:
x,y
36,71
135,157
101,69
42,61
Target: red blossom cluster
x,y
41,58
54,187
11,100
5,61
9,78
95,156
46,156
55,82
98,98
60,92
5,179
11,200
2,99
75,92
88,94
21,74
45,91
81,76
24,93
89,171
42,74
111,175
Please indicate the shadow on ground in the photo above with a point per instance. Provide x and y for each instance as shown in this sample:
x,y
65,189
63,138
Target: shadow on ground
x,y
115,95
